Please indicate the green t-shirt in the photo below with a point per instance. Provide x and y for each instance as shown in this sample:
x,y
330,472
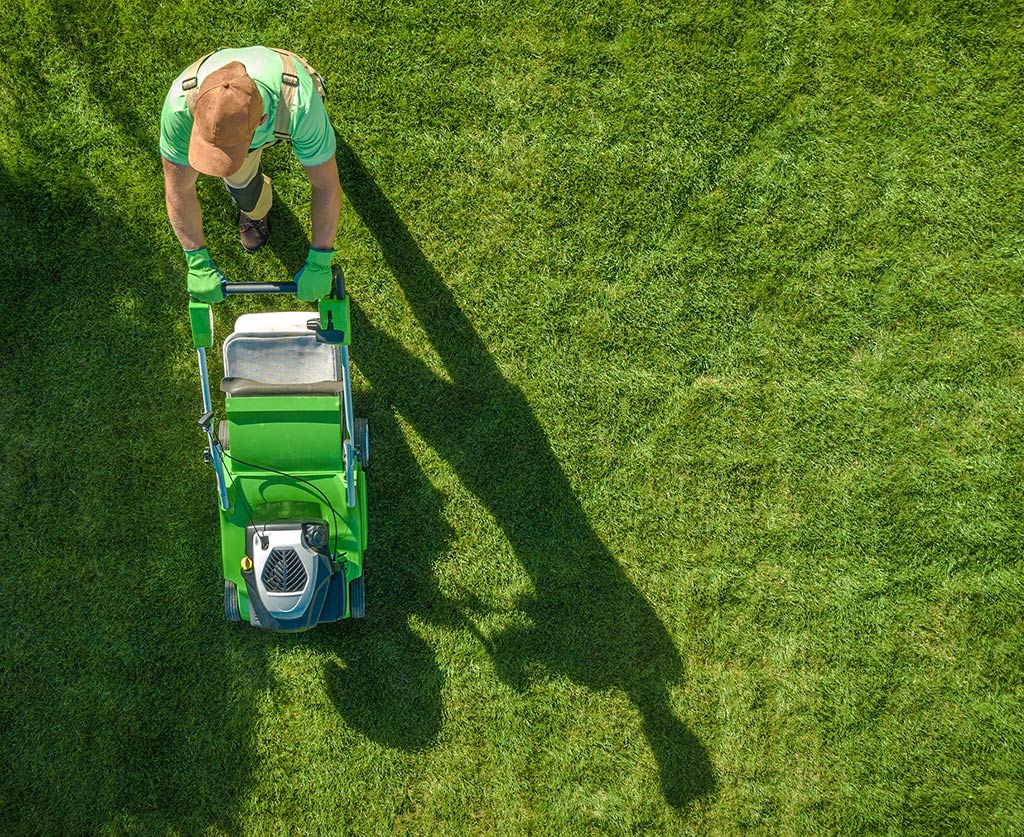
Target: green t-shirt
x,y
312,135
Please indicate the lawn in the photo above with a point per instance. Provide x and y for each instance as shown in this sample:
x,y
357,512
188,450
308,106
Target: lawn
x,y
690,336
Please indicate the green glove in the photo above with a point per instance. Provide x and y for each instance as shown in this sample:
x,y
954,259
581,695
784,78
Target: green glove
x,y
314,279
204,280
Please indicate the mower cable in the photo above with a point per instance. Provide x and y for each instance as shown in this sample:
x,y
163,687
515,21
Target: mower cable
x,y
248,512
327,499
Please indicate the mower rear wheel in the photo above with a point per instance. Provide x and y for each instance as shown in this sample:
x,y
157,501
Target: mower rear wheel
x,y
231,602
361,432
222,434
357,598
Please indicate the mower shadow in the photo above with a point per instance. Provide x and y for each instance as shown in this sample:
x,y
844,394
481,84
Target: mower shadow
x,y
588,622
389,684
127,702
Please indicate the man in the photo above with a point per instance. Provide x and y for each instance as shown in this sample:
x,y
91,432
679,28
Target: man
x,y
218,116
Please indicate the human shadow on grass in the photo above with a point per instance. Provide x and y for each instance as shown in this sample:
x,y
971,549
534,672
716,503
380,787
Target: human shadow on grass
x,y
127,702
588,622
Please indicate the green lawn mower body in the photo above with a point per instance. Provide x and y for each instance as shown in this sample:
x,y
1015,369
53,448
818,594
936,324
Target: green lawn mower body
x,y
289,460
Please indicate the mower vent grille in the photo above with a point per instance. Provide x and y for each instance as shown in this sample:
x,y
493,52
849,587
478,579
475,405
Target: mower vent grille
x,y
283,572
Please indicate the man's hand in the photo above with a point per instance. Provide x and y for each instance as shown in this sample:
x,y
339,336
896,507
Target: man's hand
x,y
314,279
204,280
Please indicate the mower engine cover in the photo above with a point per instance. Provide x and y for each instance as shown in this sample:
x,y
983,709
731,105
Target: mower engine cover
x,y
291,581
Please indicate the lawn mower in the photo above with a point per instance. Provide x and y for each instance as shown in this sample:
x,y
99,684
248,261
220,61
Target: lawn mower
x,y
290,462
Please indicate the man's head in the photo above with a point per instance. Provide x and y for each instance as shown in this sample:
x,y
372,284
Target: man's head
x,y
226,114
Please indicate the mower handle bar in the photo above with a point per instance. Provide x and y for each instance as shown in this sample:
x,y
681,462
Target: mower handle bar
x,y
232,288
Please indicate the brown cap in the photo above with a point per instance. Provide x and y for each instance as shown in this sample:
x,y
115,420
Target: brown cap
x,y
227,112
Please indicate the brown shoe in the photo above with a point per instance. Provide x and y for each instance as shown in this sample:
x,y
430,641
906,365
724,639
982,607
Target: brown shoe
x,y
253,234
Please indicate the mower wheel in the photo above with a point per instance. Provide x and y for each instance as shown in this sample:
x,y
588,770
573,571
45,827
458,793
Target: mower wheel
x,y
231,602
222,434
361,431
357,598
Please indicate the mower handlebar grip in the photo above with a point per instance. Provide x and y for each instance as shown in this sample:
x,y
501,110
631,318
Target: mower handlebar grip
x,y
234,288
231,288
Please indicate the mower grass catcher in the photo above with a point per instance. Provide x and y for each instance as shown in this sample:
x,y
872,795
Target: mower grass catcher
x,y
290,462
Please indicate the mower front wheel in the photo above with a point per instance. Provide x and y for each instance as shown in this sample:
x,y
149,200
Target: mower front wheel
x,y
231,613
357,598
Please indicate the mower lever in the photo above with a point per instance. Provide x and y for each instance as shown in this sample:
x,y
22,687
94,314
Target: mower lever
x,y
205,420
329,335
338,291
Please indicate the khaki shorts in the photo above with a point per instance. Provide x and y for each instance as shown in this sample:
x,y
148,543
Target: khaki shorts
x,y
250,188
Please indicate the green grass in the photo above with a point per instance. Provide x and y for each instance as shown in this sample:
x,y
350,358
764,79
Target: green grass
x,y
690,338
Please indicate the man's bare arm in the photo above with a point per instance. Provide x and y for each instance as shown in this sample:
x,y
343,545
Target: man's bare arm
x,y
326,207
183,204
